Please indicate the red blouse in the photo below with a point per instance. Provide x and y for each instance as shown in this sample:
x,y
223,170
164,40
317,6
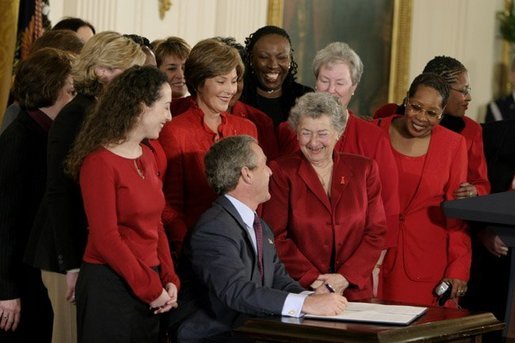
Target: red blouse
x,y
185,140
124,216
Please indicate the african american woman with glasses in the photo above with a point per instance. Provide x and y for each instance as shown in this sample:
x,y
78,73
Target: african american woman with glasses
x,y
454,118
432,163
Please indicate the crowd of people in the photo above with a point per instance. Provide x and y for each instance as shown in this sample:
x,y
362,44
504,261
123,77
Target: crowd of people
x,y
179,189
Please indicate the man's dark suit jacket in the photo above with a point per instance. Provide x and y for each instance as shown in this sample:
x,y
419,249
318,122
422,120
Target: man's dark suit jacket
x,y
224,265
506,106
499,146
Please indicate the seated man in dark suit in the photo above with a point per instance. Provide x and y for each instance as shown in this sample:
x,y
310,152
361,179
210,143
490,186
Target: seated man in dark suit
x,y
231,251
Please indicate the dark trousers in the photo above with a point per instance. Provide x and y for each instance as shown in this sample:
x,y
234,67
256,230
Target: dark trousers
x,y
107,310
36,316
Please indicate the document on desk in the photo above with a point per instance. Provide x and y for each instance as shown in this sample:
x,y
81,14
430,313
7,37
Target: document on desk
x,y
376,313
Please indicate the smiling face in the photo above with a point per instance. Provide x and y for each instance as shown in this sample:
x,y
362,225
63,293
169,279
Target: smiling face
x,y
154,117
271,58
215,94
418,122
173,67
317,138
336,79
458,102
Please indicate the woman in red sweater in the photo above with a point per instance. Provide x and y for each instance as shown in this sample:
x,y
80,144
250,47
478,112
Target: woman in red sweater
x,y
212,71
127,267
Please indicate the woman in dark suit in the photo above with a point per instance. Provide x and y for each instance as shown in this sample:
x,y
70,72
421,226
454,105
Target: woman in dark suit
x,y
325,208
42,86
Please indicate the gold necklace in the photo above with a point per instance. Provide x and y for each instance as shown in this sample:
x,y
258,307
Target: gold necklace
x,y
138,169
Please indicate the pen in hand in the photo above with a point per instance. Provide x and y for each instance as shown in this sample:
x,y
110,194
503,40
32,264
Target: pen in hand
x,y
329,287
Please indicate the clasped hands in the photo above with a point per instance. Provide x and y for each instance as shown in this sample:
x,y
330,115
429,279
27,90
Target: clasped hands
x,y
166,301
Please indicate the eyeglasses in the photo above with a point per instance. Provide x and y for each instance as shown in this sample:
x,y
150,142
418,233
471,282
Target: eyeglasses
x,y
417,109
465,91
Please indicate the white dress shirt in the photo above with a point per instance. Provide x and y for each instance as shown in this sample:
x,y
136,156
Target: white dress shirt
x,y
293,304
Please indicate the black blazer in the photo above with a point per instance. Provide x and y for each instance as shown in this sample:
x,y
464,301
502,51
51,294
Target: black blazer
x,y
499,146
60,229
22,185
506,106
228,284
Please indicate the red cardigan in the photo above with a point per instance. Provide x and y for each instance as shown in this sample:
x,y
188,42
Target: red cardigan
x,y
185,140
307,223
124,218
366,139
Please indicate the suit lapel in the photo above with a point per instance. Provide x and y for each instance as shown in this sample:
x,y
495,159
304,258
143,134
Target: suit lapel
x,y
229,207
342,175
310,178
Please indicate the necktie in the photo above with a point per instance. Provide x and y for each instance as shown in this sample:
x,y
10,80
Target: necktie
x,y
258,229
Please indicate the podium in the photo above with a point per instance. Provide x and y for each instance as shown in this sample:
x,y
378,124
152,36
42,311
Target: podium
x,y
497,210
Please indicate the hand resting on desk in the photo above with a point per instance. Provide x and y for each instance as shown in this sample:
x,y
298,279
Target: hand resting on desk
x,y
329,304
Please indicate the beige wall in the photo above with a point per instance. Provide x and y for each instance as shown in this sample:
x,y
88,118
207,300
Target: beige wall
x,y
465,30
192,20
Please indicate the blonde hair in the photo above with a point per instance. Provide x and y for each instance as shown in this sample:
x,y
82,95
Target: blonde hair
x,y
210,58
105,49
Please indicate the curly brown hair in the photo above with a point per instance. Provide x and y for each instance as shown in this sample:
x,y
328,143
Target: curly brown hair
x,y
116,113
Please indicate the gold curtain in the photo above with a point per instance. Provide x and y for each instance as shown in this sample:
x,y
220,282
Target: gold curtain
x,y
8,25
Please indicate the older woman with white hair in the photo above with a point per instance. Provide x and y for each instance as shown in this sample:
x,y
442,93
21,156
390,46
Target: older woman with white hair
x,y
325,207
338,70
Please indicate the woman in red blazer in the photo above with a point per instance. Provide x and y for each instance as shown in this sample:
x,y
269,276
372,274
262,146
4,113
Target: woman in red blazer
x,y
456,76
432,163
325,208
212,70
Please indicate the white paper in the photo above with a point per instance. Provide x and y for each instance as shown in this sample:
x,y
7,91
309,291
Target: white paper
x,y
376,313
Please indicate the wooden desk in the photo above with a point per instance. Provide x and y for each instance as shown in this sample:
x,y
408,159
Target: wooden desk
x,y
436,325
